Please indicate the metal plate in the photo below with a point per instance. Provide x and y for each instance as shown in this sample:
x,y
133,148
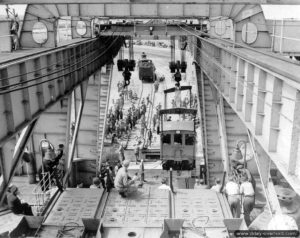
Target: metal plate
x,y
196,204
148,207
73,205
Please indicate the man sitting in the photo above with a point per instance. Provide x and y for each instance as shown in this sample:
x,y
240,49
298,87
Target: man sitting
x,y
15,204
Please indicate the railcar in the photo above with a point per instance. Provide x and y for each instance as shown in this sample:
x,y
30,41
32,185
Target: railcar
x,y
177,149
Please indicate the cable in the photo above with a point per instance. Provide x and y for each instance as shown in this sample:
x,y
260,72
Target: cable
x,y
54,72
13,90
54,64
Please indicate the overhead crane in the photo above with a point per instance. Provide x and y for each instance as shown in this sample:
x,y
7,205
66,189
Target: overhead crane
x,y
245,91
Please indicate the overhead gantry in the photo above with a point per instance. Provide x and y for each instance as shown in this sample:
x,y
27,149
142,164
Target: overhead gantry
x,y
252,89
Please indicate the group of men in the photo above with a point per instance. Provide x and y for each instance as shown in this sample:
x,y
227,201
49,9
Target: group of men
x,y
240,189
236,191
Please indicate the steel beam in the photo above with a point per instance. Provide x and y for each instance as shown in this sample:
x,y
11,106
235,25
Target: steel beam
x,y
223,134
36,86
19,150
275,2
270,102
83,89
295,147
263,163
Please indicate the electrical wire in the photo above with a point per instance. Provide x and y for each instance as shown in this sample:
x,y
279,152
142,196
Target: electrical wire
x,y
56,63
24,87
54,72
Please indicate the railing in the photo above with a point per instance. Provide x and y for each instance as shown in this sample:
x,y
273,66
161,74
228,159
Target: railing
x,y
45,189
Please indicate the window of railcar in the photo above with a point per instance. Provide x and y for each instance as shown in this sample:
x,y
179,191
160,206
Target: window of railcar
x,y
167,139
178,139
189,139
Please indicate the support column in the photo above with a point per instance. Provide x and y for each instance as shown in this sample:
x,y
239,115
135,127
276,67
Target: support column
x,y
294,151
223,134
233,79
83,89
275,117
240,84
249,89
17,155
260,102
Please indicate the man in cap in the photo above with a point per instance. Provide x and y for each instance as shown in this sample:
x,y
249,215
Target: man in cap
x,y
122,183
199,184
121,152
137,150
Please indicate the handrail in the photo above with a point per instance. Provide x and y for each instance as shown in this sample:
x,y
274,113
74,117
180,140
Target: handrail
x,y
45,52
105,119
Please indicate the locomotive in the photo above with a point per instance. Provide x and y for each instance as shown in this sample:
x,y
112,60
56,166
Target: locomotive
x,y
146,69
177,146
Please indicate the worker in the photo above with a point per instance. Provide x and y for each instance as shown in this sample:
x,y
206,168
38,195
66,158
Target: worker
x,y
122,183
142,171
233,195
117,167
199,184
173,103
150,135
96,183
148,100
137,152
164,185
169,119
15,204
248,198
217,187
109,182
50,161
121,153
156,86
135,177
157,126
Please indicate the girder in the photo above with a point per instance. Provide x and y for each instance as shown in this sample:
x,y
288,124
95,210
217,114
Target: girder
x,y
277,2
33,84
264,92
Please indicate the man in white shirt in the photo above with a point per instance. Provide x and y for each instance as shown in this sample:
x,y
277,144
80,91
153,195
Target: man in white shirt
x,y
246,189
233,194
122,183
164,185
218,186
199,184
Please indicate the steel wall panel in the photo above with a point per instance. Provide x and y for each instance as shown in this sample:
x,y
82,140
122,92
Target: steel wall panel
x,y
171,10
117,10
196,10
144,10
92,9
